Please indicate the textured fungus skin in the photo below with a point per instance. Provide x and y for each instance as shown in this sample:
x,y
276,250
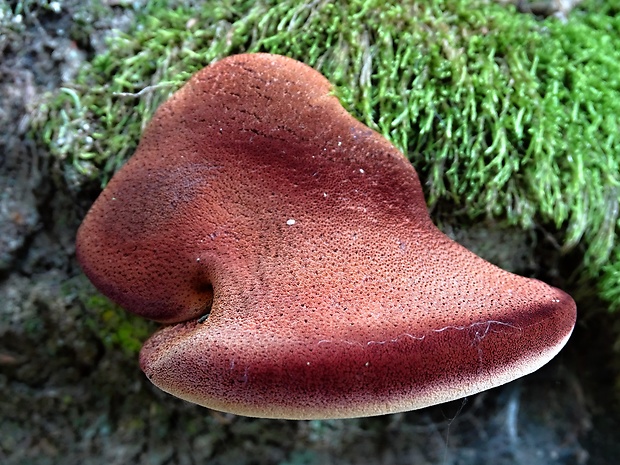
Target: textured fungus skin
x,y
255,195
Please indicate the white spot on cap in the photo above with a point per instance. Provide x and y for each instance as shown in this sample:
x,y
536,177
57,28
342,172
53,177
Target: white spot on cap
x,y
290,222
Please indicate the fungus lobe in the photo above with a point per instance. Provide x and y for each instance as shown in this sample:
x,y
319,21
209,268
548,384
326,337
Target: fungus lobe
x,y
288,250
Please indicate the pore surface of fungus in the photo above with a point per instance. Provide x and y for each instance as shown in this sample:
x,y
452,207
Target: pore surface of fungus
x,y
255,198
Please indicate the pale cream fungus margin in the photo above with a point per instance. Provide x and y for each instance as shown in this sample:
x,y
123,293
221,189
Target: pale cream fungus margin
x,y
288,249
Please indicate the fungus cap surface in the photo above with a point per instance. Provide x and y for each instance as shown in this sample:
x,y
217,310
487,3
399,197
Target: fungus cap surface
x,y
255,197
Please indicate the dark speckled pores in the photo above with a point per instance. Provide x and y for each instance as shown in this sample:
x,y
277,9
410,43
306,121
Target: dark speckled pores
x,y
256,198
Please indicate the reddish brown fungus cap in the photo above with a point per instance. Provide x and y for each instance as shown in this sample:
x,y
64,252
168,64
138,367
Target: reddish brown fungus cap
x,y
256,197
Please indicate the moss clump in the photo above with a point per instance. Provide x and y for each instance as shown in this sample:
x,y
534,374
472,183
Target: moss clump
x,y
114,326
111,325
503,115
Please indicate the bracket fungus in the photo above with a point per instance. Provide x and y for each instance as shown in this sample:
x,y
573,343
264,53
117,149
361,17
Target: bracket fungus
x,y
289,252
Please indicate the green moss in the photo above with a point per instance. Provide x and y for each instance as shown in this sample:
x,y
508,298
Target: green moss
x,y
109,323
610,281
503,115
114,326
